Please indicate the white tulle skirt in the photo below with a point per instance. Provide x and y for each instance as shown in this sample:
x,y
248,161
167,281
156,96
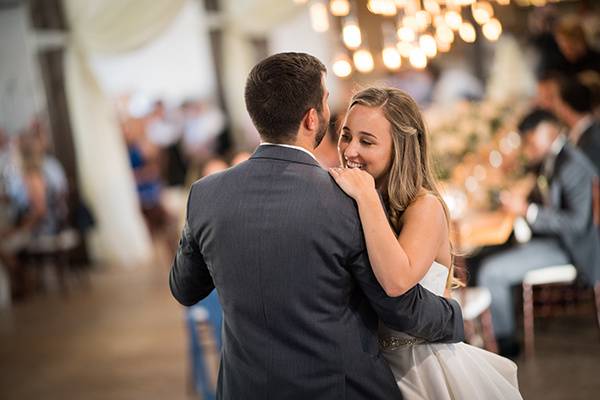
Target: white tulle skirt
x,y
452,371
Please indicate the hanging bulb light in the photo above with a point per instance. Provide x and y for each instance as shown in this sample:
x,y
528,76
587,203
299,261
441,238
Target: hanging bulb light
x,y
374,6
391,57
418,59
453,19
412,6
351,34
382,7
339,8
439,20
482,12
503,2
409,21
406,34
422,20
444,34
319,17
342,67
363,60
463,2
443,47
431,6
428,45
492,29
388,8
404,48
467,32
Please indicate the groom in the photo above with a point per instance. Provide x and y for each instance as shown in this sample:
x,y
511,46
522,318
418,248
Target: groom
x,y
284,248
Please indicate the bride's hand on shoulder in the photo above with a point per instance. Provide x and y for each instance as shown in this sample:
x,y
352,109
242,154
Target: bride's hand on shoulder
x,y
353,181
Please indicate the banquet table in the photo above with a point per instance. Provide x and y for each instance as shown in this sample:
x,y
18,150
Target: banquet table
x,y
482,228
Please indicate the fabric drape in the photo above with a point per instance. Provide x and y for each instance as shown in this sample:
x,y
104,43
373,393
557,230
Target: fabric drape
x,y
107,182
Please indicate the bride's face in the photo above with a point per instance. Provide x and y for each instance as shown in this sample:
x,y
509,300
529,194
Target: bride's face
x,y
366,143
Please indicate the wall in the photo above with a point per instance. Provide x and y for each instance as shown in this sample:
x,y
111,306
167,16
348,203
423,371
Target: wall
x,y
21,89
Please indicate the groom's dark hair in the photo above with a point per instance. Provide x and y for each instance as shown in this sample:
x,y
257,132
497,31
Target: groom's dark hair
x,y
279,92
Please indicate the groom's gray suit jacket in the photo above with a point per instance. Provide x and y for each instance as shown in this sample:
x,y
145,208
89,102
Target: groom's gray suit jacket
x,y
283,246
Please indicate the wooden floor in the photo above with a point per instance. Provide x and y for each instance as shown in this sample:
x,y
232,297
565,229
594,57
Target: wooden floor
x,y
124,339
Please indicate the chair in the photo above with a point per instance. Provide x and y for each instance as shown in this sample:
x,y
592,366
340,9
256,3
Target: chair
x,y
475,303
56,250
204,321
560,275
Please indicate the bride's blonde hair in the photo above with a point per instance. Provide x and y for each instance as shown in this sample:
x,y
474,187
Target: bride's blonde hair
x,y
411,165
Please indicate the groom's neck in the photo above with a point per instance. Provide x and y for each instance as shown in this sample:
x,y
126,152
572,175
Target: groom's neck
x,y
304,142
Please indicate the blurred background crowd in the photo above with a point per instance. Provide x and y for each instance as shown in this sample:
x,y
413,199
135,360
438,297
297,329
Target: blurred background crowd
x,y
110,110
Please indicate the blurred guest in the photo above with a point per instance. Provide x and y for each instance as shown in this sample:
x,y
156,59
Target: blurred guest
x,y
213,166
542,24
571,39
591,79
574,107
240,157
165,132
559,214
54,175
202,125
548,90
144,159
161,131
44,213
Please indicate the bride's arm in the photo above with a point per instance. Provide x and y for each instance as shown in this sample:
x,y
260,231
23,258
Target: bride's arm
x,y
398,263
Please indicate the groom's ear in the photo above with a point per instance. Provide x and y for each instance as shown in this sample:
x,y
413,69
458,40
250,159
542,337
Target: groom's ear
x,y
311,120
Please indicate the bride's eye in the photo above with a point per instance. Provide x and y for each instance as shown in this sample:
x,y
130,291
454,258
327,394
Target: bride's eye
x,y
366,142
345,137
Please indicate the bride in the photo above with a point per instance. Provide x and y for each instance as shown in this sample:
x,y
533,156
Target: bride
x,y
383,147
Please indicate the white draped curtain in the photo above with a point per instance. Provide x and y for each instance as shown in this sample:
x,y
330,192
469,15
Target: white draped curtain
x,y
106,178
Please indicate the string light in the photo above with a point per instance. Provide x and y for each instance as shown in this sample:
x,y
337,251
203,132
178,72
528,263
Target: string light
x,y
391,57
351,34
342,66
492,29
363,60
467,32
423,28
482,12
406,34
339,8
453,19
418,59
428,45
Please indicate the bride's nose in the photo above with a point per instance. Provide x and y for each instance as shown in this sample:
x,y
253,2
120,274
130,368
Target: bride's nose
x,y
351,151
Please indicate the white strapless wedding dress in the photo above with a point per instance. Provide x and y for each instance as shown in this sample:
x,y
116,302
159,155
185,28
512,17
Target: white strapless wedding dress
x,y
440,371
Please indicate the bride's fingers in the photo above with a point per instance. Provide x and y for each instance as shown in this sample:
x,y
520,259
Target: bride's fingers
x,y
335,172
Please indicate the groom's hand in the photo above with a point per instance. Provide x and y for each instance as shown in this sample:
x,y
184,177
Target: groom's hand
x,y
353,181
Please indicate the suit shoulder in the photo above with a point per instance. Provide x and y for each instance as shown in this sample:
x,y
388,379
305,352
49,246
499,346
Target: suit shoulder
x,y
577,162
325,180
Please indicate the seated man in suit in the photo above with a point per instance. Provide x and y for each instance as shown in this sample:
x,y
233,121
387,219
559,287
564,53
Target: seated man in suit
x,y
574,107
559,214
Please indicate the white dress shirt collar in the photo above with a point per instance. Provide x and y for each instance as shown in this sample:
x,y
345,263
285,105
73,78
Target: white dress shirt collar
x,y
580,126
290,147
